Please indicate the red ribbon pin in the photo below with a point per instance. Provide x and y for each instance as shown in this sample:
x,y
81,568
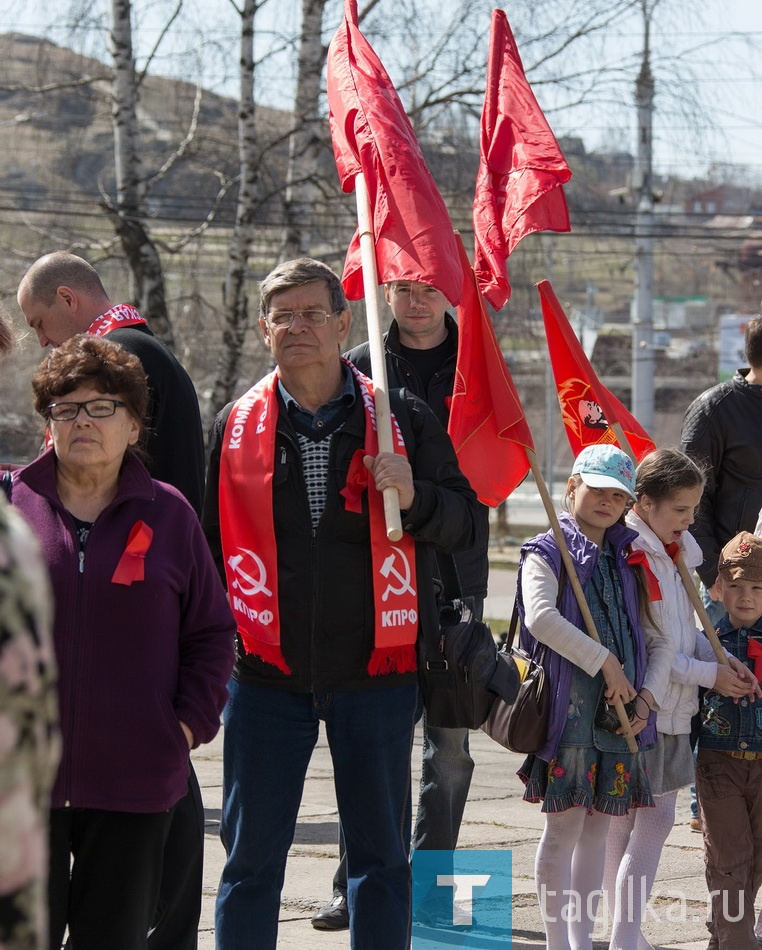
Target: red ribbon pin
x,y
357,483
131,566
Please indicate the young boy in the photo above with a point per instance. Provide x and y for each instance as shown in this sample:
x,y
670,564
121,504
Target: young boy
x,y
729,764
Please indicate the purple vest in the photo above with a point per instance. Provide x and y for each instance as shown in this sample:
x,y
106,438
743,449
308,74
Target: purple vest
x,y
558,669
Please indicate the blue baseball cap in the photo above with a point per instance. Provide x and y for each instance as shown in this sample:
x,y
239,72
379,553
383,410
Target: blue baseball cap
x,y
606,466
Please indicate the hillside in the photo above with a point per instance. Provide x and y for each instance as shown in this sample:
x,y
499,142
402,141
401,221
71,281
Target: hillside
x,y
58,168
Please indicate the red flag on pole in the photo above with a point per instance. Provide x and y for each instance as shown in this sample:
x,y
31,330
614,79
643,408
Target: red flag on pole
x,y
372,134
487,423
521,169
587,407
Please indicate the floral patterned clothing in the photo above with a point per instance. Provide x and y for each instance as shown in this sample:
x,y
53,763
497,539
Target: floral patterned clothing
x,y
29,745
592,767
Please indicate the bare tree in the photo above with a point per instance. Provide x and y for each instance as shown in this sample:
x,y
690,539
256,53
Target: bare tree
x,y
234,297
308,138
130,219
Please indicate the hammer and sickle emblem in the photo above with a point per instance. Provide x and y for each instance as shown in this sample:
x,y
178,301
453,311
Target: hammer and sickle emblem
x,y
242,577
388,569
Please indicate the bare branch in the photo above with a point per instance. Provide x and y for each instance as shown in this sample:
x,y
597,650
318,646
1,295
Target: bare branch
x,y
54,86
182,148
142,74
211,215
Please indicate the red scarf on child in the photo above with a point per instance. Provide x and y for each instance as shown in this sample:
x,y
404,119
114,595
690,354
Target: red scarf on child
x,y
249,545
122,315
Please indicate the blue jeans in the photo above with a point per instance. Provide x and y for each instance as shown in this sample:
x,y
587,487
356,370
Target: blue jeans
x,y
445,781
446,771
269,738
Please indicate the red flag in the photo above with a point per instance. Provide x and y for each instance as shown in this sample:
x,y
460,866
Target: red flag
x,y
587,407
372,134
521,168
487,424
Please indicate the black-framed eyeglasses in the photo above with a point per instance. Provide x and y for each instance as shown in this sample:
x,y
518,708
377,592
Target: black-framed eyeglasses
x,y
95,408
280,319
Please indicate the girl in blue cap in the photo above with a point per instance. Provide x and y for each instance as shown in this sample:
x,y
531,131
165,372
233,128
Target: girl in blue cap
x,y
584,774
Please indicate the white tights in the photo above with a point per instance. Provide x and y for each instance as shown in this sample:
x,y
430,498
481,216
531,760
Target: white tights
x,y
633,848
568,873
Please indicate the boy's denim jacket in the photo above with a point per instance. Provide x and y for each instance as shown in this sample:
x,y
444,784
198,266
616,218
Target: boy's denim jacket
x,y
727,726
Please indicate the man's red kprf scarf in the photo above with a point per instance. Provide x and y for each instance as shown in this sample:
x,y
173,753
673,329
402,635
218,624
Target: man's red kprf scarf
x,y
122,315
250,549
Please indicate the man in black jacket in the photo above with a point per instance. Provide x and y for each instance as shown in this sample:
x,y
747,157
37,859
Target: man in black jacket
x,y
722,431
62,295
327,629
421,347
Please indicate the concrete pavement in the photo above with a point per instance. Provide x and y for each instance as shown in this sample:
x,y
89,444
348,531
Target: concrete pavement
x,y
495,817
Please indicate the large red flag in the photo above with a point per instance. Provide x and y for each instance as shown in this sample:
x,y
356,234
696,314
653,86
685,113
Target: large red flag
x,y
487,424
521,169
372,134
587,407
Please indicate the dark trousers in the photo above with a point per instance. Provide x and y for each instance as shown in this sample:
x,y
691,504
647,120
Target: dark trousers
x,y
105,869
179,908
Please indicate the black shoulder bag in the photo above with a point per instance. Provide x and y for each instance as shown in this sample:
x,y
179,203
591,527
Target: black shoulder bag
x,y
459,670
462,675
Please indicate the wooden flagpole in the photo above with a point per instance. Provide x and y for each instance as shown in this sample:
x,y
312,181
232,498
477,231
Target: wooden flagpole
x,y
574,580
377,358
685,575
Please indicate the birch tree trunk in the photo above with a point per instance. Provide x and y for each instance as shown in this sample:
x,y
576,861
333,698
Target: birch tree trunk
x,y
235,300
307,139
147,277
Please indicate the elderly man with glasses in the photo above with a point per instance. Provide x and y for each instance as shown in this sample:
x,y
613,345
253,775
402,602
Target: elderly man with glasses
x,y
328,609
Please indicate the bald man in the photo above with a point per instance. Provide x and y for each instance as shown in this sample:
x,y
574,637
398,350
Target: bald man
x,y
62,295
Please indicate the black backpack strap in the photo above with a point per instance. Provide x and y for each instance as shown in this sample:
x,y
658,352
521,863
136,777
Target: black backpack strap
x,y
398,405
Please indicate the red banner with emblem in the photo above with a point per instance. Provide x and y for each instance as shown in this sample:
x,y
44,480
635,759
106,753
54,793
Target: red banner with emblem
x,y
588,409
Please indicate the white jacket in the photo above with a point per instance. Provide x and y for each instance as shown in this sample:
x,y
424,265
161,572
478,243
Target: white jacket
x,y
694,662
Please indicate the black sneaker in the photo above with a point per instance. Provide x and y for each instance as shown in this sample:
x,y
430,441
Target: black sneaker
x,y
333,916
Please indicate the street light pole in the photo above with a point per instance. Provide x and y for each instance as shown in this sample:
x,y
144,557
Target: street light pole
x,y
642,316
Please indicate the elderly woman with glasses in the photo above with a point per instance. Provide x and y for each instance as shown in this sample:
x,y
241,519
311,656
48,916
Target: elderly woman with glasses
x,y
143,637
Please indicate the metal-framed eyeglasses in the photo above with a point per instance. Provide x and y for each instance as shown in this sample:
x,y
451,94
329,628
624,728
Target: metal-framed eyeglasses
x,y
281,319
95,408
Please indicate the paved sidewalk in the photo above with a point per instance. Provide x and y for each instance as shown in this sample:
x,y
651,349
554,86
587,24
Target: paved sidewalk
x,y
495,817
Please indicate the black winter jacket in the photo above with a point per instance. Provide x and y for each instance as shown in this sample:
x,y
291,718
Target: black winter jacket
x,y
722,431
175,443
325,583
472,565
